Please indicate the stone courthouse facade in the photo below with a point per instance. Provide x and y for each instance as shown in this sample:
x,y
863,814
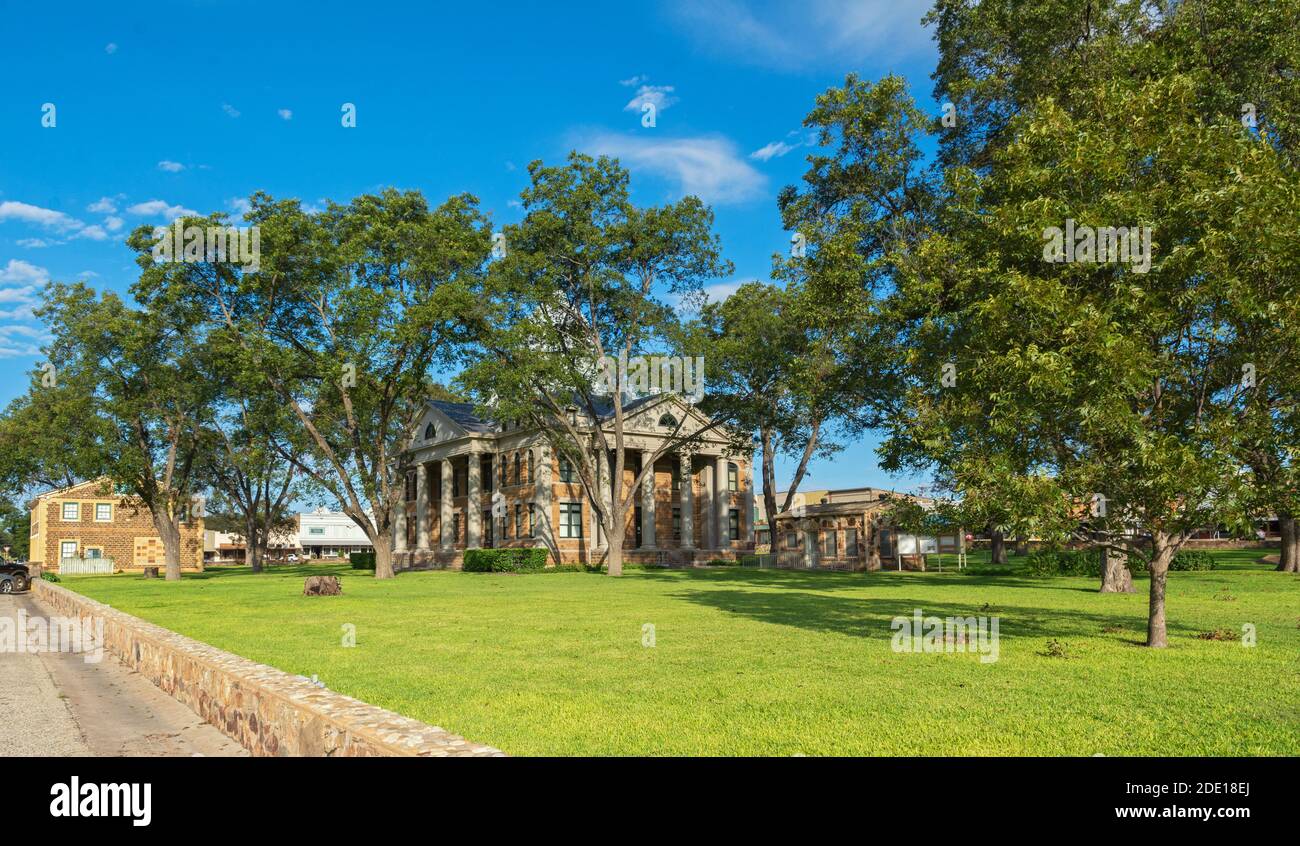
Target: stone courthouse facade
x,y
475,483
91,521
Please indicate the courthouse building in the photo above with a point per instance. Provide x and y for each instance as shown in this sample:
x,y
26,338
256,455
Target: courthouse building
x,y
476,483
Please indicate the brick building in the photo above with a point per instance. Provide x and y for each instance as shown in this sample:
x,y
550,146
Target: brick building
x,y
92,522
695,507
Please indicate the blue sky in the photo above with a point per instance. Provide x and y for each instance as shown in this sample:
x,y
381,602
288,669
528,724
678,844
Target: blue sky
x,y
165,108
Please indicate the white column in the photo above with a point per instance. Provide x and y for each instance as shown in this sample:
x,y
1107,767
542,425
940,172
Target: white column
x,y
647,503
421,506
687,501
708,505
445,538
542,493
399,520
724,501
474,503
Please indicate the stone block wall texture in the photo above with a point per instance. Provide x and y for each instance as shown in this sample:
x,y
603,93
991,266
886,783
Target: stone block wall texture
x,y
269,712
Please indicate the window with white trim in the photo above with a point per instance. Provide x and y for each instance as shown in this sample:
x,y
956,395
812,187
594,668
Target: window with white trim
x,y
71,511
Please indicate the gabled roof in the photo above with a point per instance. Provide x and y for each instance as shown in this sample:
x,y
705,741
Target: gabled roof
x,y
462,414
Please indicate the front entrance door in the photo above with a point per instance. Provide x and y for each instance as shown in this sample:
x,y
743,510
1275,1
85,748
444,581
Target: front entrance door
x,y
487,529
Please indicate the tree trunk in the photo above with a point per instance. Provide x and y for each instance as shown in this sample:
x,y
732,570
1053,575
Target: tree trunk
x,y
251,545
997,545
1115,574
1289,554
614,541
769,487
1162,554
1022,546
170,535
383,543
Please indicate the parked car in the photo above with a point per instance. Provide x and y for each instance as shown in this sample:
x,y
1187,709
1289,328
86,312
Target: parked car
x,y
14,576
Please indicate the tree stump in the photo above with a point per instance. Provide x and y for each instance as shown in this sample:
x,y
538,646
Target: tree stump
x,y
151,572
322,586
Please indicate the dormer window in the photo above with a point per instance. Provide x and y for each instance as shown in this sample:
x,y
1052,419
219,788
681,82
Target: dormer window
x,y
429,432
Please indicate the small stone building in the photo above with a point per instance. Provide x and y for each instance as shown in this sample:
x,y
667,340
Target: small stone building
x,y
850,530
477,483
91,522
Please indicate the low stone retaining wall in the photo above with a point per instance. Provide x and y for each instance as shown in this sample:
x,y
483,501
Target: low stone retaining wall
x,y
266,710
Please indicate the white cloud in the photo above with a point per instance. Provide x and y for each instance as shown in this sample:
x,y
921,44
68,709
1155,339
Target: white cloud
x,y
110,48
36,243
659,95
285,114
230,110
160,208
48,218
815,33
104,205
708,167
112,224
239,205
94,233
20,272
20,287
773,150
170,167
633,80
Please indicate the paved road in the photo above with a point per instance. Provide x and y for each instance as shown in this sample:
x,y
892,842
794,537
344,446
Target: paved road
x,y
67,707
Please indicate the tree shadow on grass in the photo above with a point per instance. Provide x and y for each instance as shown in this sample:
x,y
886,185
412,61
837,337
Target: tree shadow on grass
x,y
830,580
871,617
230,571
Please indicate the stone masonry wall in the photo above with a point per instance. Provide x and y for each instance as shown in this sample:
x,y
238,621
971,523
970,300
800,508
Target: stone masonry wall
x,y
269,712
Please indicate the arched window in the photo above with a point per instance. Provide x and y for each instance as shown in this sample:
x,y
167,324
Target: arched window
x,y
668,421
531,478
733,477
518,479
429,432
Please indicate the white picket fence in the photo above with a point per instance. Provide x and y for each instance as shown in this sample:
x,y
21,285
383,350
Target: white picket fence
x,y
85,566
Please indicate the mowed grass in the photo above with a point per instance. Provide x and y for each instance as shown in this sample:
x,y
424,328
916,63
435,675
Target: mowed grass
x,y
750,662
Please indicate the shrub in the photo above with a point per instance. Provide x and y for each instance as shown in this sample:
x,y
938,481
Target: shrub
x,y
362,560
1195,559
50,577
749,561
1064,562
721,562
510,560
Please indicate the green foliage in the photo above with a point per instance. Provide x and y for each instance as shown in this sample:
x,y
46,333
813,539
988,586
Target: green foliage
x,y
1193,559
1063,562
362,560
50,577
15,530
506,560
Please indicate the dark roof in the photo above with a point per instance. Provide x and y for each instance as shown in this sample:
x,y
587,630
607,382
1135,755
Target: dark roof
x,y
462,414
605,405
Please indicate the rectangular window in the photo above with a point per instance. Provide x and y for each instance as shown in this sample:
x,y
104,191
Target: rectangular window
x,y
677,478
532,526
828,542
570,519
410,487
68,549
103,512
566,470
315,530
455,530
851,542
71,511
792,541
94,552
677,524
733,477
519,520
733,524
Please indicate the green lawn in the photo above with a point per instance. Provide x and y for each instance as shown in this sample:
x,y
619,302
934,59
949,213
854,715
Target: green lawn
x,y
770,662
